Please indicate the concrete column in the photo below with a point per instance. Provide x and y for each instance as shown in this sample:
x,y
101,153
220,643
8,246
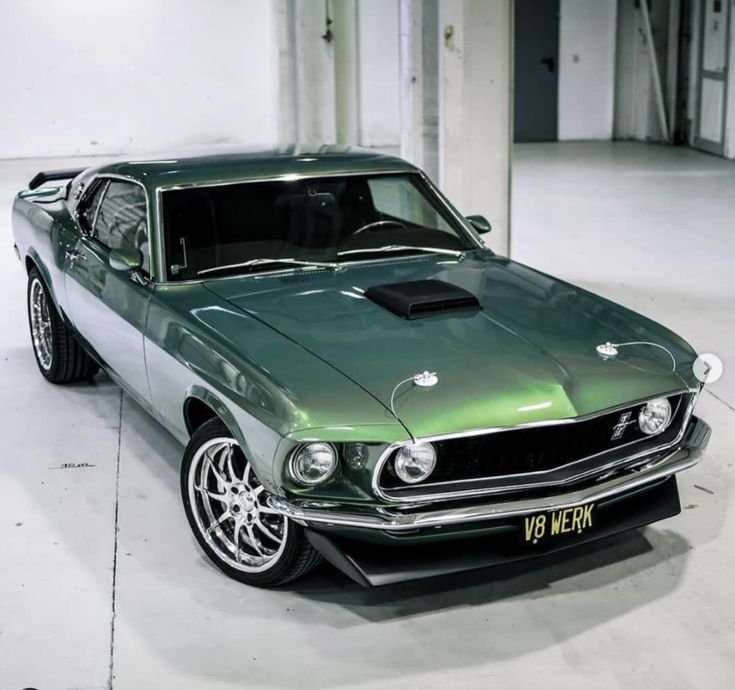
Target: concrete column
x,y
315,79
379,72
475,98
346,72
730,111
318,71
419,67
287,64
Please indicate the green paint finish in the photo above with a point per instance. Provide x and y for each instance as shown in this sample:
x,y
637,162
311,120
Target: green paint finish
x,y
528,356
301,355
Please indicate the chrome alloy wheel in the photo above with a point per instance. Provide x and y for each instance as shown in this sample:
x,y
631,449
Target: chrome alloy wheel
x,y
40,324
230,510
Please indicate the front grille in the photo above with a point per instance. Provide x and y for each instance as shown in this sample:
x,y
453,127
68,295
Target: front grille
x,y
539,449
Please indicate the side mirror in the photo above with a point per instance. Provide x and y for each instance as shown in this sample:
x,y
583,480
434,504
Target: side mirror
x,y
480,223
126,259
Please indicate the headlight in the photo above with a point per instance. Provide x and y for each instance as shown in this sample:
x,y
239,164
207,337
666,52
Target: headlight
x,y
654,416
415,462
313,463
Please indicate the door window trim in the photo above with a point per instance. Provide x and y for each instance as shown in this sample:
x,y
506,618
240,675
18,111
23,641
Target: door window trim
x,y
92,237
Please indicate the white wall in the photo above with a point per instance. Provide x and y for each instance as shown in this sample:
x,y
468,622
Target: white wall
x,y
586,68
379,75
90,76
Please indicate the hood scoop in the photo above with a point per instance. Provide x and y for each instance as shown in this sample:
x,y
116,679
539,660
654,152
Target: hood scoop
x,y
421,298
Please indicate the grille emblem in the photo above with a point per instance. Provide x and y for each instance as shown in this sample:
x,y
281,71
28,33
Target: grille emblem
x,y
619,428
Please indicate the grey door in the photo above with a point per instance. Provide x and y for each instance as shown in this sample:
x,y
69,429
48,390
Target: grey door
x,y
536,73
109,308
709,134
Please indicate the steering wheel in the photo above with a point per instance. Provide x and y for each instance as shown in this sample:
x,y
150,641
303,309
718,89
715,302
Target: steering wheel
x,y
377,224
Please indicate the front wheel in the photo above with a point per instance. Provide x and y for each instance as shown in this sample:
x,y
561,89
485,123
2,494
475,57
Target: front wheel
x,y
228,512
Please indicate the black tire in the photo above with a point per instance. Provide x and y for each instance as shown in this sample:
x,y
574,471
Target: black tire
x,y
63,360
296,557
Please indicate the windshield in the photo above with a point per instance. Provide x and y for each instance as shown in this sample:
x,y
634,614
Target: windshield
x,y
263,226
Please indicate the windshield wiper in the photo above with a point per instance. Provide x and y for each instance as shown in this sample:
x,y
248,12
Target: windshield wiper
x,y
264,261
404,247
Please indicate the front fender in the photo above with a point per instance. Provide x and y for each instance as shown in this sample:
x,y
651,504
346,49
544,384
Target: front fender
x,y
253,437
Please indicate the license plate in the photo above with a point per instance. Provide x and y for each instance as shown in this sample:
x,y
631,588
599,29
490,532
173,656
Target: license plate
x,y
542,527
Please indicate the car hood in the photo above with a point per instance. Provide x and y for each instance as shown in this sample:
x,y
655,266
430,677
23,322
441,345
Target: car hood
x,y
529,355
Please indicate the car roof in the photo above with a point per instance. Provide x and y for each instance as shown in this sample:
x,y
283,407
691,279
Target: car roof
x,y
216,164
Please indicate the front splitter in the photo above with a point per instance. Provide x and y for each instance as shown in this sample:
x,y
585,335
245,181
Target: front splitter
x,y
400,560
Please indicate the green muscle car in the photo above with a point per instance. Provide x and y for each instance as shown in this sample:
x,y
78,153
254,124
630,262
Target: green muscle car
x,y
355,375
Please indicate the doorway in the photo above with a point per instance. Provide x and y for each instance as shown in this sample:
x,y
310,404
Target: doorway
x,y
712,87
536,79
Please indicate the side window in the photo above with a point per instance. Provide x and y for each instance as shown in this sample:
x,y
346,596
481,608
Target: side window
x,y
89,204
122,221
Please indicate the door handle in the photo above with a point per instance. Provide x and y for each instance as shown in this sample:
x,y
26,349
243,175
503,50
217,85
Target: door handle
x,y
549,62
73,255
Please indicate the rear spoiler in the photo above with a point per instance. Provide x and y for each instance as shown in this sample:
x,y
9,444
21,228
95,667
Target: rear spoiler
x,y
48,175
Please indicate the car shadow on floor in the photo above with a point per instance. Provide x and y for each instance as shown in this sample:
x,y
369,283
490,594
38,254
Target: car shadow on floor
x,y
590,566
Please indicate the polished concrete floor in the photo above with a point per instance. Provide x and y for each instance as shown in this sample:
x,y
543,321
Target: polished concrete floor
x,y
101,583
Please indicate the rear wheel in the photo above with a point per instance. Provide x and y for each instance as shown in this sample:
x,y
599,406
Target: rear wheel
x,y
229,514
59,356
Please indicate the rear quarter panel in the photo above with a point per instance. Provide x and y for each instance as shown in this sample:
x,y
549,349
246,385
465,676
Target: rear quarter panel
x,y
44,233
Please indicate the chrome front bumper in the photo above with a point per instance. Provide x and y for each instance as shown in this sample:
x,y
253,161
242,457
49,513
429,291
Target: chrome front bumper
x,y
397,519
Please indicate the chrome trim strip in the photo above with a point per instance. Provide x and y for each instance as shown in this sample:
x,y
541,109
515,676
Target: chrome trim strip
x,y
392,498
678,460
283,177
466,225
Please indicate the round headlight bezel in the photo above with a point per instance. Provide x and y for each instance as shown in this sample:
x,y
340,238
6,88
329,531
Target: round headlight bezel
x,y
643,420
403,455
297,471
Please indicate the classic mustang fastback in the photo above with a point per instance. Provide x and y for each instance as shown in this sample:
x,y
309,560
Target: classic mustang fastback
x,y
355,375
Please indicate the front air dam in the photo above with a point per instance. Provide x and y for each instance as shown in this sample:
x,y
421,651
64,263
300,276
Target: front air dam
x,y
404,557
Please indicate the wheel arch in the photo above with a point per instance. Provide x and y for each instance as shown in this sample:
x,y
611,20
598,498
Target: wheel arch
x,y
33,261
202,405
198,412
30,264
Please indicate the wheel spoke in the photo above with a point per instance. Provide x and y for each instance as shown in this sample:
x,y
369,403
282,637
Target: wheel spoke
x,y
230,467
253,540
222,498
236,535
267,531
219,521
215,470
